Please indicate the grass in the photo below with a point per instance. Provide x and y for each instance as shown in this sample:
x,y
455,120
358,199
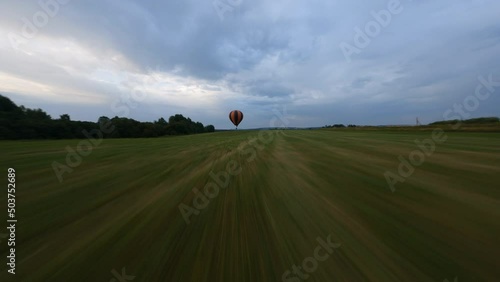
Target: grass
x,y
120,208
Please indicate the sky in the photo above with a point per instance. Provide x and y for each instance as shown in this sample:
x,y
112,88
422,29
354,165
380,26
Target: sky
x,y
310,63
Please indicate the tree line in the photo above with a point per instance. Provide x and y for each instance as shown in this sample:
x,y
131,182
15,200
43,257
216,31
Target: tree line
x,y
19,122
481,120
338,125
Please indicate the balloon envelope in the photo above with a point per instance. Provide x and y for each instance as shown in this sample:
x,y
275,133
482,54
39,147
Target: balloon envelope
x,y
236,117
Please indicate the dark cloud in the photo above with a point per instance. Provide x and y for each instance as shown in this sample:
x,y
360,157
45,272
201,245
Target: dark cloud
x,y
262,54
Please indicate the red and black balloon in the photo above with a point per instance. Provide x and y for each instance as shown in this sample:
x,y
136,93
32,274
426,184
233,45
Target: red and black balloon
x,y
236,117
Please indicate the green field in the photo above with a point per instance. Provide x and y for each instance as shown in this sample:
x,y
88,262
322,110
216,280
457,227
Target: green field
x,y
120,208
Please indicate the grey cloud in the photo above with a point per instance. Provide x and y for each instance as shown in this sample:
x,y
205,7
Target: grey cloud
x,y
268,52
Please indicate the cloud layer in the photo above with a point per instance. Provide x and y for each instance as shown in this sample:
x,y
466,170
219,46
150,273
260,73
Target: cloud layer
x,y
158,58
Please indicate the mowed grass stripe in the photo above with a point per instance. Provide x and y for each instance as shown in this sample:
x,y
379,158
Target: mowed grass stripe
x,y
119,208
363,253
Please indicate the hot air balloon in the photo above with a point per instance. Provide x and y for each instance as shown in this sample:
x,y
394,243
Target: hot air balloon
x,y
236,117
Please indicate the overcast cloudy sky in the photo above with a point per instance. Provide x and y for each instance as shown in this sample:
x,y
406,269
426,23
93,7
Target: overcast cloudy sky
x,y
151,59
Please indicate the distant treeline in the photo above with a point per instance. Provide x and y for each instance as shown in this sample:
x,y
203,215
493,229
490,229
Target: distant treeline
x,y
473,121
338,126
18,122
482,120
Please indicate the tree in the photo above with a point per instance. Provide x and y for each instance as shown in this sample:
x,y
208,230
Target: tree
x,y
161,121
19,122
37,114
65,117
209,128
6,105
103,120
176,118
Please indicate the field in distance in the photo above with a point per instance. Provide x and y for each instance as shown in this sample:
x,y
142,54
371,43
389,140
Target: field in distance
x,y
130,205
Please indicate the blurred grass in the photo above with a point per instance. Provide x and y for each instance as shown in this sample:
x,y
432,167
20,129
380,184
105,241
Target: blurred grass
x,y
119,208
